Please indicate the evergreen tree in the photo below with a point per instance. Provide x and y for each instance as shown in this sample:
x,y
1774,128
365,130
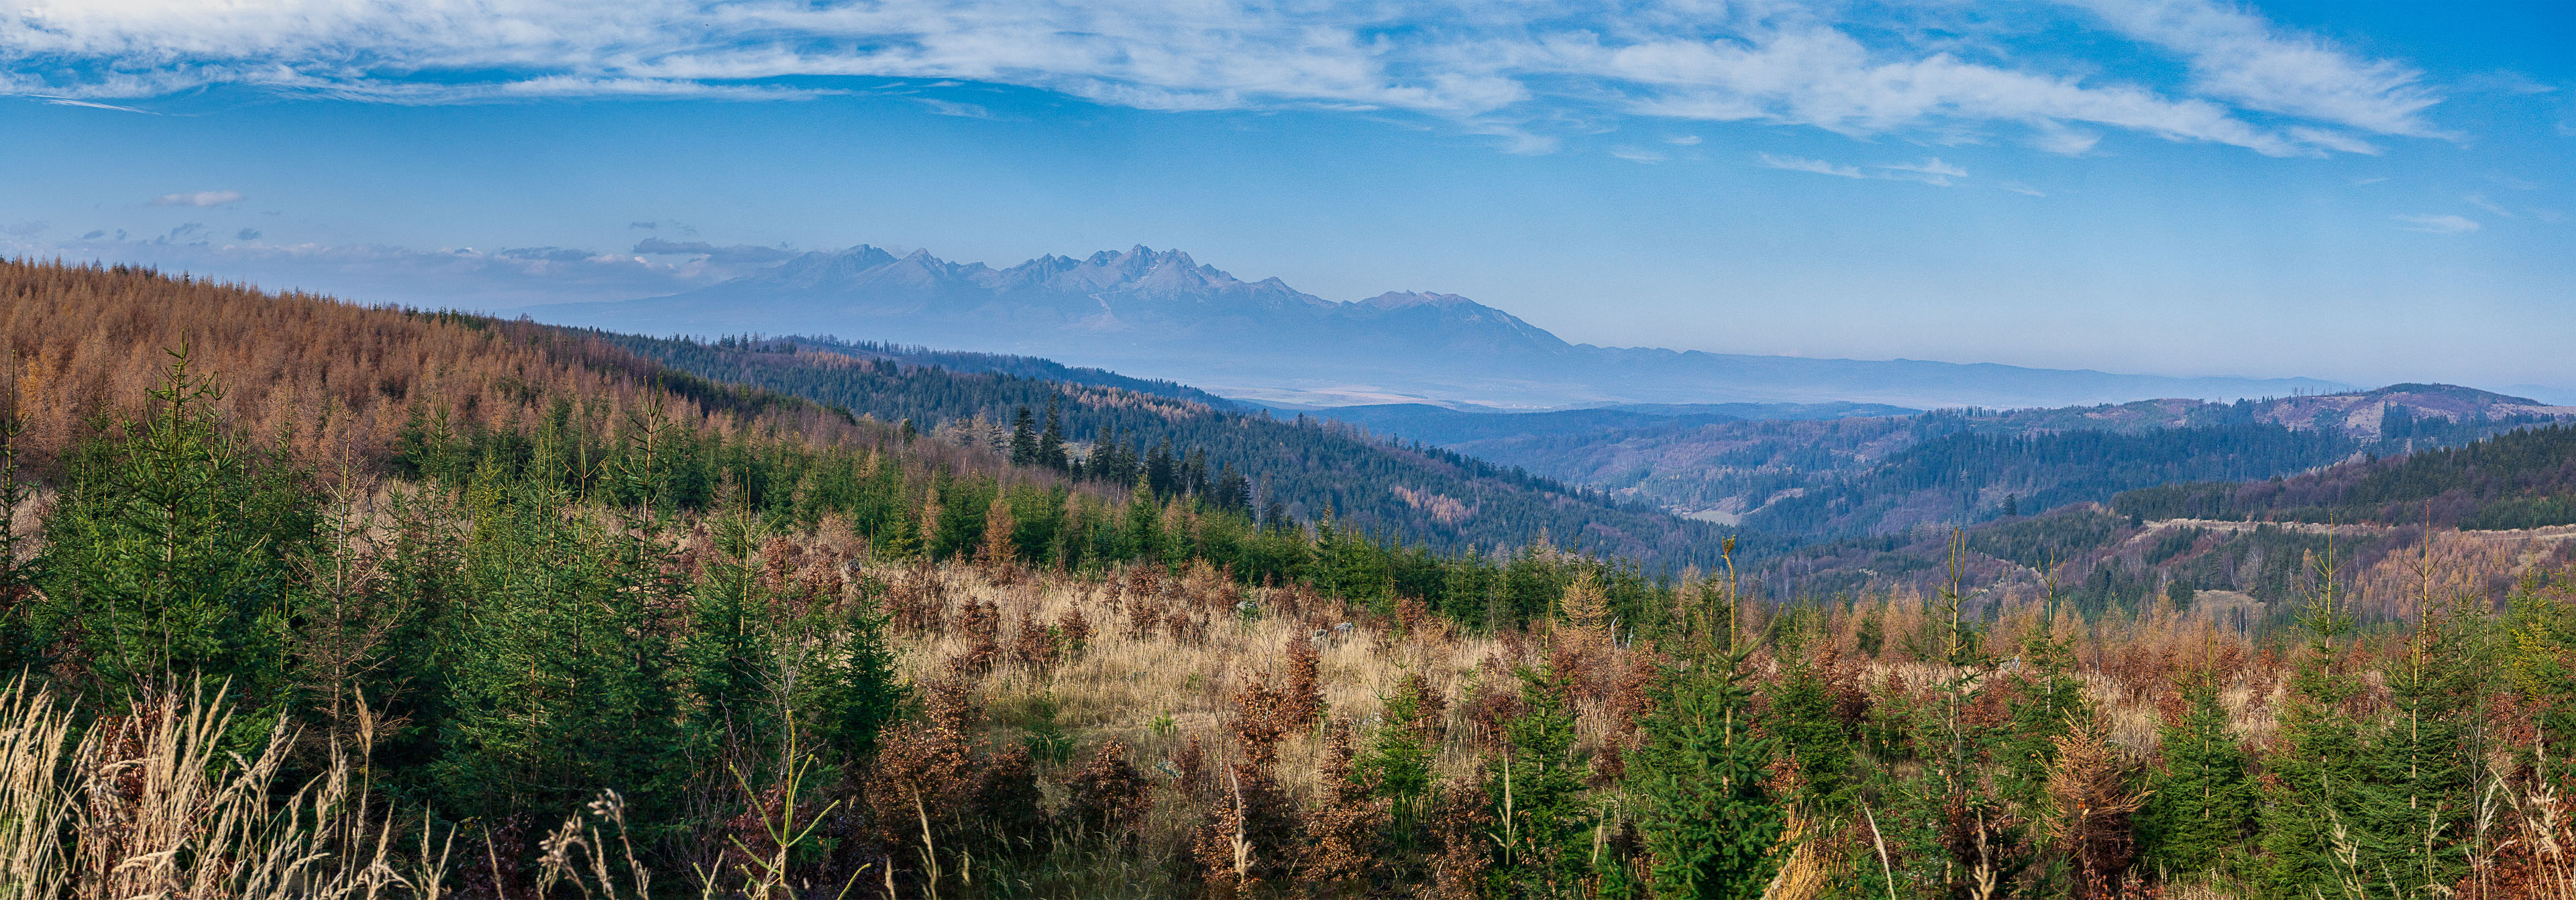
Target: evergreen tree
x,y
728,650
1704,812
2201,805
1024,438
2418,796
167,554
2311,818
1545,829
1818,743
1051,440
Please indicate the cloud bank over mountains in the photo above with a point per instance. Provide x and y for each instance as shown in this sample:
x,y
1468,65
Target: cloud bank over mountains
x,y
2210,70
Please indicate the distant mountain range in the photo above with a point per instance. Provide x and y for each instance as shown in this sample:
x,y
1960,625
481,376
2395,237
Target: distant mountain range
x,y
1161,314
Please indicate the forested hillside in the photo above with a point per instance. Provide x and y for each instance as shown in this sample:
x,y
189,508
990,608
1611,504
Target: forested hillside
x,y
2520,479
1022,366
1972,477
1878,475
1297,469
302,599
2161,547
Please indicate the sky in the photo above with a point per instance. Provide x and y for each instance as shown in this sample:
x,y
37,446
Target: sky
x,y
2359,191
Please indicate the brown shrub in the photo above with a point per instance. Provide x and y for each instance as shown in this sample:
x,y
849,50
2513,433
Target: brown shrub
x,y
1345,846
1073,632
1108,796
981,624
1189,769
1462,823
1035,645
1251,836
1183,627
1010,811
1304,702
1261,718
1143,614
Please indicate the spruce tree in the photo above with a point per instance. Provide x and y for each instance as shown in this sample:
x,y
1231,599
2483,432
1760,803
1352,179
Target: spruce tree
x,y
1051,440
728,652
1544,830
1024,438
168,551
2311,818
2201,804
1704,813
2417,798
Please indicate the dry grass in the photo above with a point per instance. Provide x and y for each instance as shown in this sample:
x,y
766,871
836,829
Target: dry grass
x,y
154,807
1156,693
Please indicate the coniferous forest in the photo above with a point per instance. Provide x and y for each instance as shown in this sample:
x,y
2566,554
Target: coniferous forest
x,y
305,599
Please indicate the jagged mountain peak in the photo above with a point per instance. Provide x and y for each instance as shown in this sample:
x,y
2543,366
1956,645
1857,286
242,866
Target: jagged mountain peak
x,y
1164,312
1401,299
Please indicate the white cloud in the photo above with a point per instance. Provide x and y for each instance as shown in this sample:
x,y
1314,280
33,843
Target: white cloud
x,y
1636,154
1683,140
1803,164
2439,224
2236,55
951,108
1512,71
66,101
2020,188
198,198
2480,201
1930,171
2375,179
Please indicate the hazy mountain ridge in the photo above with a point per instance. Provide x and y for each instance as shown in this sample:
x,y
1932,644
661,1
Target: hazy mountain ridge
x,y
1726,471
1162,314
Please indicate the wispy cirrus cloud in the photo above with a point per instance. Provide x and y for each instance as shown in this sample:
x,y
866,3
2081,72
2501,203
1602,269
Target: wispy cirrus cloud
x,y
2493,208
2439,224
1514,72
198,198
1803,164
2239,57
1930,171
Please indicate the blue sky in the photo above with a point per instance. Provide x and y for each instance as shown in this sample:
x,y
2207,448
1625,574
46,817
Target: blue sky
x,y
2359,191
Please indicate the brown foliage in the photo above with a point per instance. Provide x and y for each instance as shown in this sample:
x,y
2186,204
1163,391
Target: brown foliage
x,y
1250,837
338,380
999,556
1035,646
1261,718
1462,823
1010,811
1108,795
2091,823
1305,691
1189,768
1345,834
981,623
1144,612
1073,631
